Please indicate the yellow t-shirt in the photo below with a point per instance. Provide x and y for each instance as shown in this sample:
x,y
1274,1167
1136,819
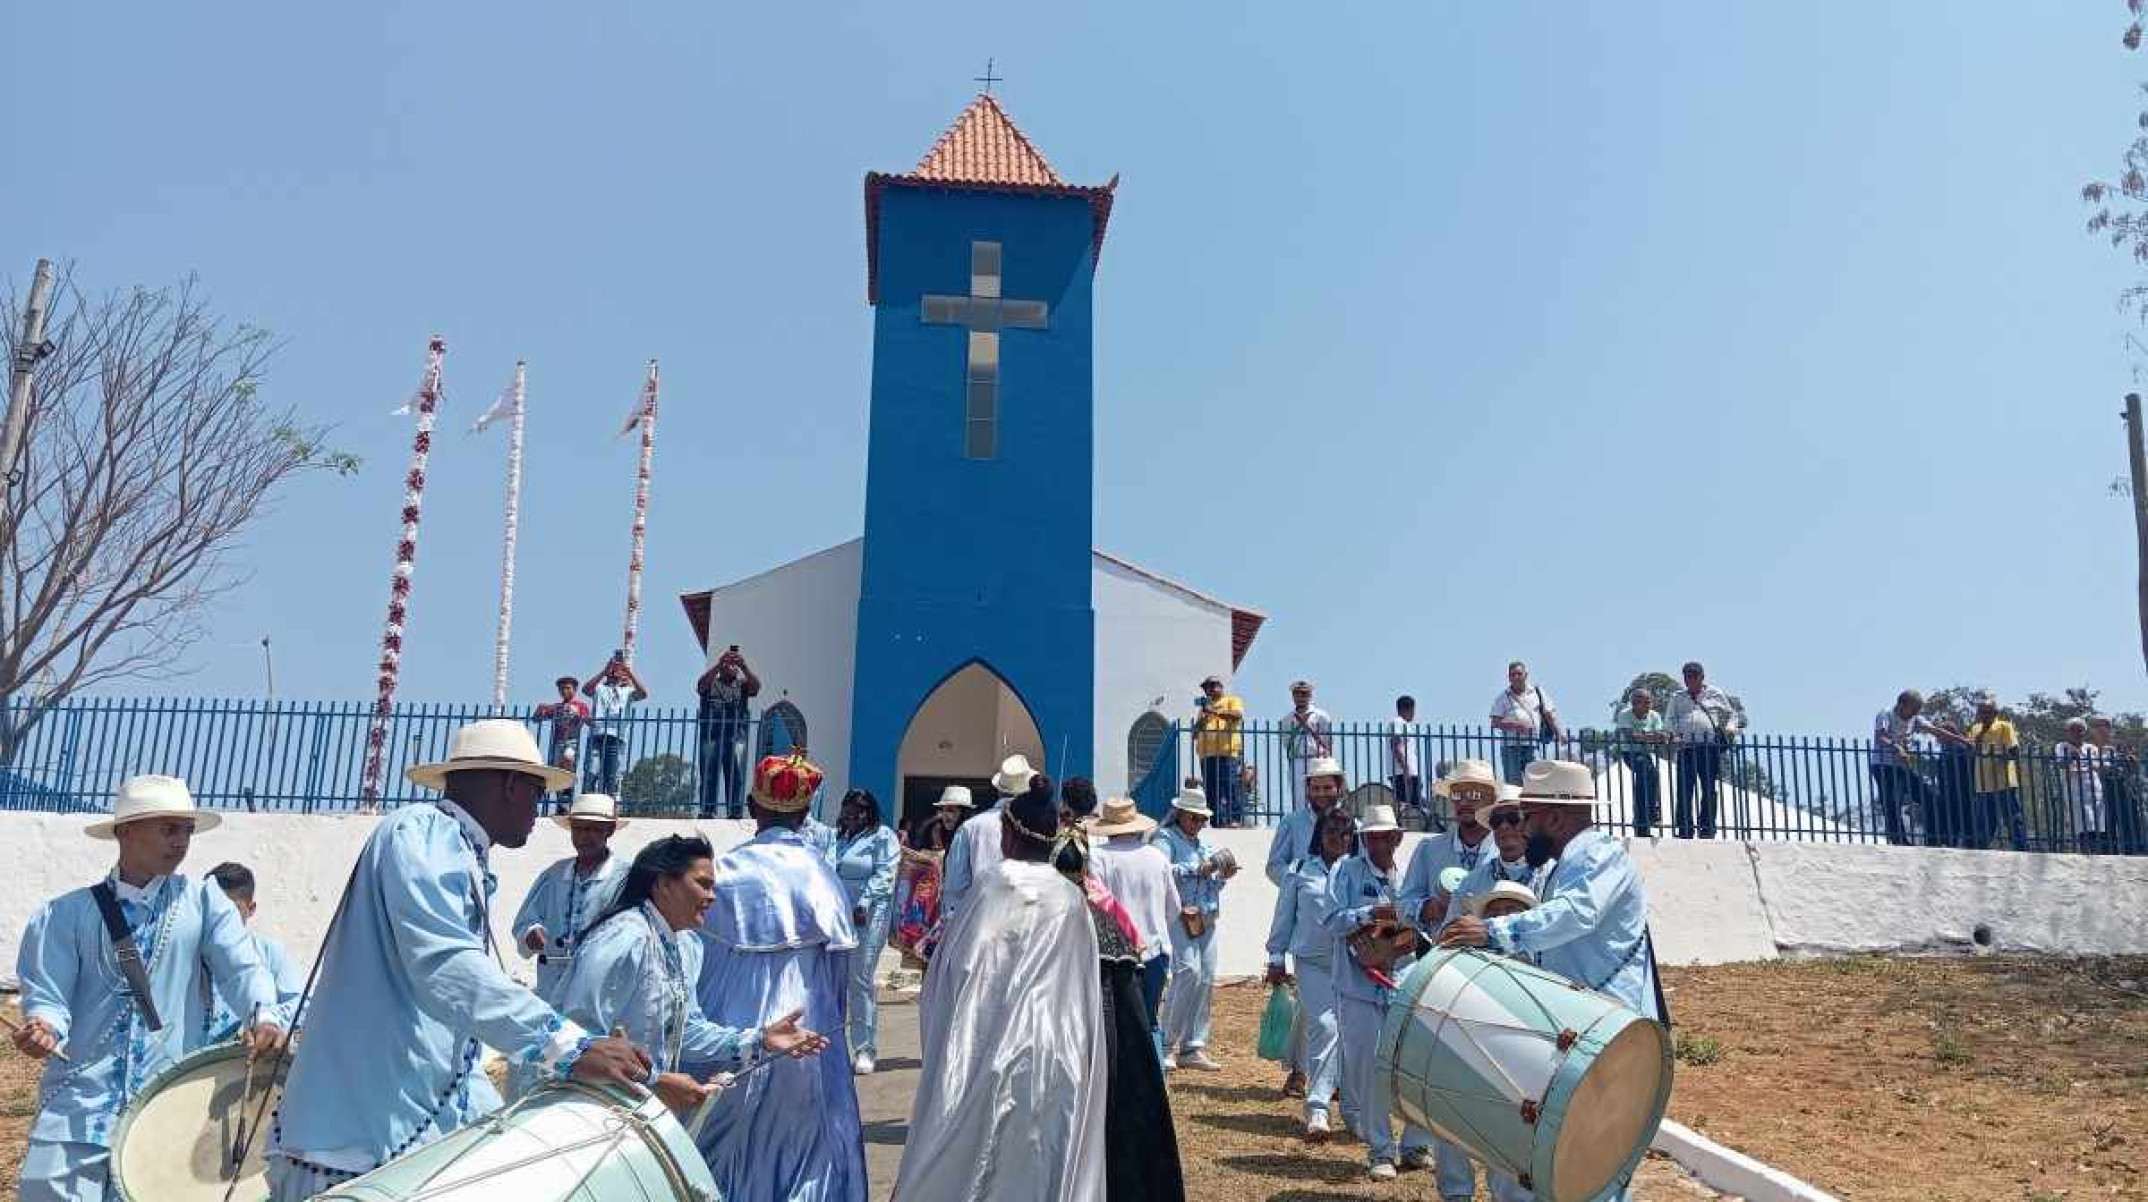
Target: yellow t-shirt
x,y
1994,771
1217,732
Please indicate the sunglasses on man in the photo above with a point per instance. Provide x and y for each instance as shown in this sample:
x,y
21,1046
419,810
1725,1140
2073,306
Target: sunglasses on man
x,y
1504,818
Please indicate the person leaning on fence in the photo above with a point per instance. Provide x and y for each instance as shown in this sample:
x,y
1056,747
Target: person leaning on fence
x,y
2121,792
724,691
1703,724
1897,785
1308,735
2079,765
1998,777
612,692
1219,741
1642,735
1524,717
1405,774
566,717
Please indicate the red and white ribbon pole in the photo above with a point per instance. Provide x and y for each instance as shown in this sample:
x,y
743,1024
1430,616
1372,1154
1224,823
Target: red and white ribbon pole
x,y
406,558
646,415
507,541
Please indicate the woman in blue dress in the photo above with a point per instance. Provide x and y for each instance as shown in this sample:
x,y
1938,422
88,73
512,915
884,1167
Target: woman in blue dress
x,y
636,969
866,852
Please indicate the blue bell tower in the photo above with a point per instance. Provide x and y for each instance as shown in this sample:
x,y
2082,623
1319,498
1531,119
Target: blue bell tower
x,y
979,479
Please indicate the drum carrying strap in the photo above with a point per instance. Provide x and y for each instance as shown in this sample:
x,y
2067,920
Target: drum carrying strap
x,y
128,952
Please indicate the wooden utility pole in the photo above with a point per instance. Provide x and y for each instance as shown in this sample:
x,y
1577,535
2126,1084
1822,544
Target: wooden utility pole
x,y
32,348
2137,464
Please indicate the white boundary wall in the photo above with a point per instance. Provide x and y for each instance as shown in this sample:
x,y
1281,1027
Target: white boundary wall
x,y
1709,903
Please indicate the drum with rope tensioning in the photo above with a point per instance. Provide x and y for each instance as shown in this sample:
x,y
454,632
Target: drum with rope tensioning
x,y
184,1137
1556,1084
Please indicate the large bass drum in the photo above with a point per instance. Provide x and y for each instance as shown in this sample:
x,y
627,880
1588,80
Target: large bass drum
x,y
565,1142
1556,1084
178,1140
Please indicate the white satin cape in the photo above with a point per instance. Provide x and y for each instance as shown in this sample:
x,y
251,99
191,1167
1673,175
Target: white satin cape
x,y
1010,1104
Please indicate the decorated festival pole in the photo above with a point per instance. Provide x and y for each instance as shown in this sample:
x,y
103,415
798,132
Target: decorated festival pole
x,y
644,413
406,556
507,541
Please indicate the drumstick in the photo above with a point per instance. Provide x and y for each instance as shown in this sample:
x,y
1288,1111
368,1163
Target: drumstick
x,y
708,1104
16,1027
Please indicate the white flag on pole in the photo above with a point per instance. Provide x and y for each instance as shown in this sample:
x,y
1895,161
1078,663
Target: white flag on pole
x,y
502,406
405,409
640,410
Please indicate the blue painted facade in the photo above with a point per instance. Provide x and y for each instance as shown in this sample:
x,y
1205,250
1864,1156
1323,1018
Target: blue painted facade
x,y
978,560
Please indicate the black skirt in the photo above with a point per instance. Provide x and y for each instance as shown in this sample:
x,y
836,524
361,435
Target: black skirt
x,y
1141,1148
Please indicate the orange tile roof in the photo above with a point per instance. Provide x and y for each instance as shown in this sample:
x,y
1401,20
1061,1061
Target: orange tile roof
x,y
984,147
981,151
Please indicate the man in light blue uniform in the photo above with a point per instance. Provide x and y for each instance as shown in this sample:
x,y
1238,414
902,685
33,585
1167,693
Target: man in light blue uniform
x,y
778,939
75,996
976,843
865,857
1292,842
1468,786
1367,889
410,988
1592,924
1200,872
1299,930
237,882
1509,863
568,895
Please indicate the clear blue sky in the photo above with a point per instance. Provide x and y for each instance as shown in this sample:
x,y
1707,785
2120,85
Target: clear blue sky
x,y
1444,334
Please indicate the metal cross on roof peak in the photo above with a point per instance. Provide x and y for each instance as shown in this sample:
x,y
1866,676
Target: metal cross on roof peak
x,y
988,79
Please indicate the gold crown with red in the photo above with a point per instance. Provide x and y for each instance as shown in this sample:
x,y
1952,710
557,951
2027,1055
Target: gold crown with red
x,y
785,783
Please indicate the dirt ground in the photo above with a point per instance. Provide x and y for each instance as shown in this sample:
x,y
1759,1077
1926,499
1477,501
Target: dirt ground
x,y
2019,1080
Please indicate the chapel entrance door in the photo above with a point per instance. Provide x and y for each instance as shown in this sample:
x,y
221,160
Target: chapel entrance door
x,y
959,735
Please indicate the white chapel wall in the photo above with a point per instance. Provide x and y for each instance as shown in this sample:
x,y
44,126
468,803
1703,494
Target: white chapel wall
x,y
1152,641
798,626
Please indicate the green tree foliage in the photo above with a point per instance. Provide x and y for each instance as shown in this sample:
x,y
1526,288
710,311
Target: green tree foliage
x,y
659,784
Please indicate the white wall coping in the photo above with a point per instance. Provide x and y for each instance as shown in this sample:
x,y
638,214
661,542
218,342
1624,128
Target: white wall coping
x,y
1732,1171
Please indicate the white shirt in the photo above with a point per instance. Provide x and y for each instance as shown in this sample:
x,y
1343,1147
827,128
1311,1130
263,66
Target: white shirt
x,y
1701,719
1530,707
2082,784
1305,737
1402,748
608,702
1139,875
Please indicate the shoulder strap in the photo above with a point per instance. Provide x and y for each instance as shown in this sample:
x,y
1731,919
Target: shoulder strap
x,y
128,953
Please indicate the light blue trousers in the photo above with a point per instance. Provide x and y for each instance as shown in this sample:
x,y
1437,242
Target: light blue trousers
x,y
1361,1021
1322,1035
862,1015
1456,1171
1193,989
65,1171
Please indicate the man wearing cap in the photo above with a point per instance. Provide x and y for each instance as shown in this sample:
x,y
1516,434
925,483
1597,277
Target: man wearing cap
x,y
1138,873
1200,871
100,1039
1307,737
779,938
976,844
1219,741
1295,834
411,990
1365,892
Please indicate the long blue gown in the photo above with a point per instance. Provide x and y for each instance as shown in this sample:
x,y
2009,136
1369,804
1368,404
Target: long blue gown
x,y
778,939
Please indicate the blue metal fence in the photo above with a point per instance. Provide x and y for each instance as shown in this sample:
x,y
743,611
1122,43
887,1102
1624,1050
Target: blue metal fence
x,y
1812,789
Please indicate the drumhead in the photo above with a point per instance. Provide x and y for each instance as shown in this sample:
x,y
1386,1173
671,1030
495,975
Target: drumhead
x,y
1612,1112
175,1140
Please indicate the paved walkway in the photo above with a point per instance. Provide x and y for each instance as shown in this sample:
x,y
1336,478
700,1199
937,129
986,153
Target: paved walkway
x,y
884,1097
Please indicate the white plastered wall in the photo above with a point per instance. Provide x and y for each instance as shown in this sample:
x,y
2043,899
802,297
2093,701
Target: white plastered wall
x,y
1152,641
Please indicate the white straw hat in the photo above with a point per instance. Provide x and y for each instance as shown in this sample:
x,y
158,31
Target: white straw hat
x,y
592,807
1503,891
1014,775
151,796
1324,765
956,795
1193,801
1466,772
1378,817
1558,782
500,744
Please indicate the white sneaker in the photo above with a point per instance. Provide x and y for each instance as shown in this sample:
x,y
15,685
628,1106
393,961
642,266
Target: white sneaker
x,y
863,1065
1316,1128
1170,1062
1198,1058
1381,1171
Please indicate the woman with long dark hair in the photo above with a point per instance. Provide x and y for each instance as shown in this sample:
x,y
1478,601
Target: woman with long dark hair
x,y
865,856
636,967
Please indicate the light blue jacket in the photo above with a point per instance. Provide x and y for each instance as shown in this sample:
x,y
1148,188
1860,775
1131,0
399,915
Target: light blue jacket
x,y
409,994
70,979
1591,925
1354,889
820,837
1187,856
1491,870
223,1021
1293,841
564,905
635,972
1301,909
866,863
1435,854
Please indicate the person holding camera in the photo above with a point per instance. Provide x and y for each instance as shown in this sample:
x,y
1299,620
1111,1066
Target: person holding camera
x,y
725,689
611,692
1218,740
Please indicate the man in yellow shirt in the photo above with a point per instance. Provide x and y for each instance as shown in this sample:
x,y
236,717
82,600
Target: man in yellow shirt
x,y
1219,741
1998,782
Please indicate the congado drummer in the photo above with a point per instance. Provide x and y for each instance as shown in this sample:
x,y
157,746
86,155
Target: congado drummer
x,y
1591,925
410,989
112,987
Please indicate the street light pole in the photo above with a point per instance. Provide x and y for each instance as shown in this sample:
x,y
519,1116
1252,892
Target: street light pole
x,y
32,348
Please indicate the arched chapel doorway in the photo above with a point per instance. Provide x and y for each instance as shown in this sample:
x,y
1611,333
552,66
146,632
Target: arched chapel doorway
x,y
959,735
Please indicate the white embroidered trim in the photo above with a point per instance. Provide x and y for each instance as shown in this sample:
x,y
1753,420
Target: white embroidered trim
x,y
569,1037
